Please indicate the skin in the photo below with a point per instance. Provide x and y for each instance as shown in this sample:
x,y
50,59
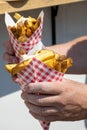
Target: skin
x,y
57,101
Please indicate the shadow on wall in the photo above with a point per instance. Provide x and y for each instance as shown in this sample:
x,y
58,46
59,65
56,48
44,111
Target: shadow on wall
x,y
86,120
75,49
7,86
10,87
85,124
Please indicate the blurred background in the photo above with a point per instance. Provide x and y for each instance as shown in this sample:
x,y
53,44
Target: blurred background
x,y
71,22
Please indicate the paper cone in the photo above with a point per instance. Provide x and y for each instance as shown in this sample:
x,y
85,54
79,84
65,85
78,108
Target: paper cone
x,y
37,71
33,40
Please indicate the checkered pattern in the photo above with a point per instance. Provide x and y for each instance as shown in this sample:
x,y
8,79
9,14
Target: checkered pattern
x,y
37,71
45,125
33,40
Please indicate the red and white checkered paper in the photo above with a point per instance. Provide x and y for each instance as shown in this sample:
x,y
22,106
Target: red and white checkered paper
x,y
33,40
36,71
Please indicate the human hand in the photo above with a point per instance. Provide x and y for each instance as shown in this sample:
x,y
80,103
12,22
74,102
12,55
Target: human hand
x,y
56,101
9,56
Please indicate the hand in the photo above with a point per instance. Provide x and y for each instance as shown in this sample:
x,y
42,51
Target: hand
x,y
56,101
10,57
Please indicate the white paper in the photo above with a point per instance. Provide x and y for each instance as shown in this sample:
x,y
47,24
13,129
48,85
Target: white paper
x,y
9,20
30,54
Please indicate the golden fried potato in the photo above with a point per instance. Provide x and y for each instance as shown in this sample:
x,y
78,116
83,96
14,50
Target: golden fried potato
x,y
51,63
36,24
33,20
17,16
9,67
22,38
58,62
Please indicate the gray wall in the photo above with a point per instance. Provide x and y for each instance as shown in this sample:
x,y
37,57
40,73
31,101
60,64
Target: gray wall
x,y
71,22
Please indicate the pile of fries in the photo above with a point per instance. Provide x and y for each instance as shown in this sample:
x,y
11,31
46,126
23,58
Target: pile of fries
x,y
50,58
24,28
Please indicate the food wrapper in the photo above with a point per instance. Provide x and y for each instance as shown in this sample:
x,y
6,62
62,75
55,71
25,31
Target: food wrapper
x,y
36,71
31,42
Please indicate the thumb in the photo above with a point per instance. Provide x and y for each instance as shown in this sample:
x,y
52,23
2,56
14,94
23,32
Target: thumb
x,y
44,87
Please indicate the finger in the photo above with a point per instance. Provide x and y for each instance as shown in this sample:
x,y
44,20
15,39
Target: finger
x,y
9,58
44,87
42,111
47,118
8,47
41,100
15,79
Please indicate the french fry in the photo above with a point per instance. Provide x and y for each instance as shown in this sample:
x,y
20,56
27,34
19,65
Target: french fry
x,y
21,51
17,16
36,24
20,66
28,23
16,68
9,67
33,20
22,38
51,63
28,32
44,55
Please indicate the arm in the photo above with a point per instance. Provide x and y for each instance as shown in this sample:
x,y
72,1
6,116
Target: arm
x,y
77,50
